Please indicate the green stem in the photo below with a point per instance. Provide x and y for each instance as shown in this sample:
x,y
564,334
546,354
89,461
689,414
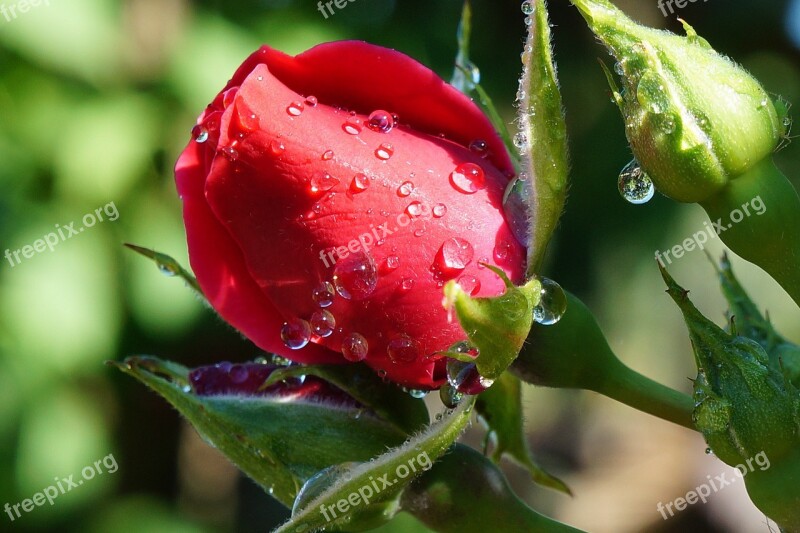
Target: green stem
x,y
769,236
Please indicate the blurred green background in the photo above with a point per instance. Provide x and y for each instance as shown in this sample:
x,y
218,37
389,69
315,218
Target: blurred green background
x,y
97,98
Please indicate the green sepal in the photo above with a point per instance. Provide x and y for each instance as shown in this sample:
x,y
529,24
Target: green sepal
x,y
278,443
497,326
421,450
500,408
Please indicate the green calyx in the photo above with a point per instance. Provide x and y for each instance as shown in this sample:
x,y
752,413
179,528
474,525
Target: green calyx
x,y
695,120
743,406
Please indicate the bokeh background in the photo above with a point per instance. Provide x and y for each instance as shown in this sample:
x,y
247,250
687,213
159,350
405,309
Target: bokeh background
x,y
97,98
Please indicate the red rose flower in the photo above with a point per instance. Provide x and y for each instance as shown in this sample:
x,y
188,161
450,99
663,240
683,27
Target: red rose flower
x,y
329,196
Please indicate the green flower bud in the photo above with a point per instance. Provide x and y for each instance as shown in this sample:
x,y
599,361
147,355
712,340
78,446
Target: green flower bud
x,y
695,120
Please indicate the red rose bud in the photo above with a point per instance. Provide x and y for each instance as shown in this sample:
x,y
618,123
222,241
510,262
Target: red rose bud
x,y
329,196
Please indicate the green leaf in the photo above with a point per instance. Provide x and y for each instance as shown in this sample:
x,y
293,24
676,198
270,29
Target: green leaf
x,y
354,490
278,443
168,266
497,326
543,137
500,407
388,401
465,492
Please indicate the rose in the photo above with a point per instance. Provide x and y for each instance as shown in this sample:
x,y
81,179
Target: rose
x,y
299,192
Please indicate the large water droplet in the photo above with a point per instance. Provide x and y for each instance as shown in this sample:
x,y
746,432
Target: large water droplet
x,y
246,120
450,396
323,294
311,101
403,350
384,151
295,109
323,323
352,126
502,250
516,209
199,134
405,189
465,378
355,347
323,182
469,284
635,185
296,333
456,254
380,121
360,183
415,209
552,304
355,277
439,210
318,483
468,178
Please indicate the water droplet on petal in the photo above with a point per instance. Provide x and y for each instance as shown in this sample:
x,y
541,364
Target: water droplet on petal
x,y
355,347
635,185
405,189
403,350
415,209
323,323
468,178
199,134
352,126
359,184
246,120
296,333
455,254
502,250
392,263
295,109
238,374
470,284
323,182
552,305
327,155
439,210
276,147
478,146
356,276
380,121
228,96
311,101
230,153
384,151
323,294
407,284
450,396
527,7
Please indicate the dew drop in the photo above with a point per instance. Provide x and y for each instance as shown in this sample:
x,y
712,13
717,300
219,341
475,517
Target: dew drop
x,y
311,101
405,189
360,183
455,254
392,262
352,126
380,121
403,350
470,284
415,209
296,333
199,134
295,109
355,277
502,250
323,294
228,96
468,178
478,146
276,147
355,347
407,284
635,185
323,182
527,7
419,232
521,141
230,153
238,374
465,378
323,323
619,68
668,124
552,304
439,210
327,155
450,396
384,151
417,393
246,120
